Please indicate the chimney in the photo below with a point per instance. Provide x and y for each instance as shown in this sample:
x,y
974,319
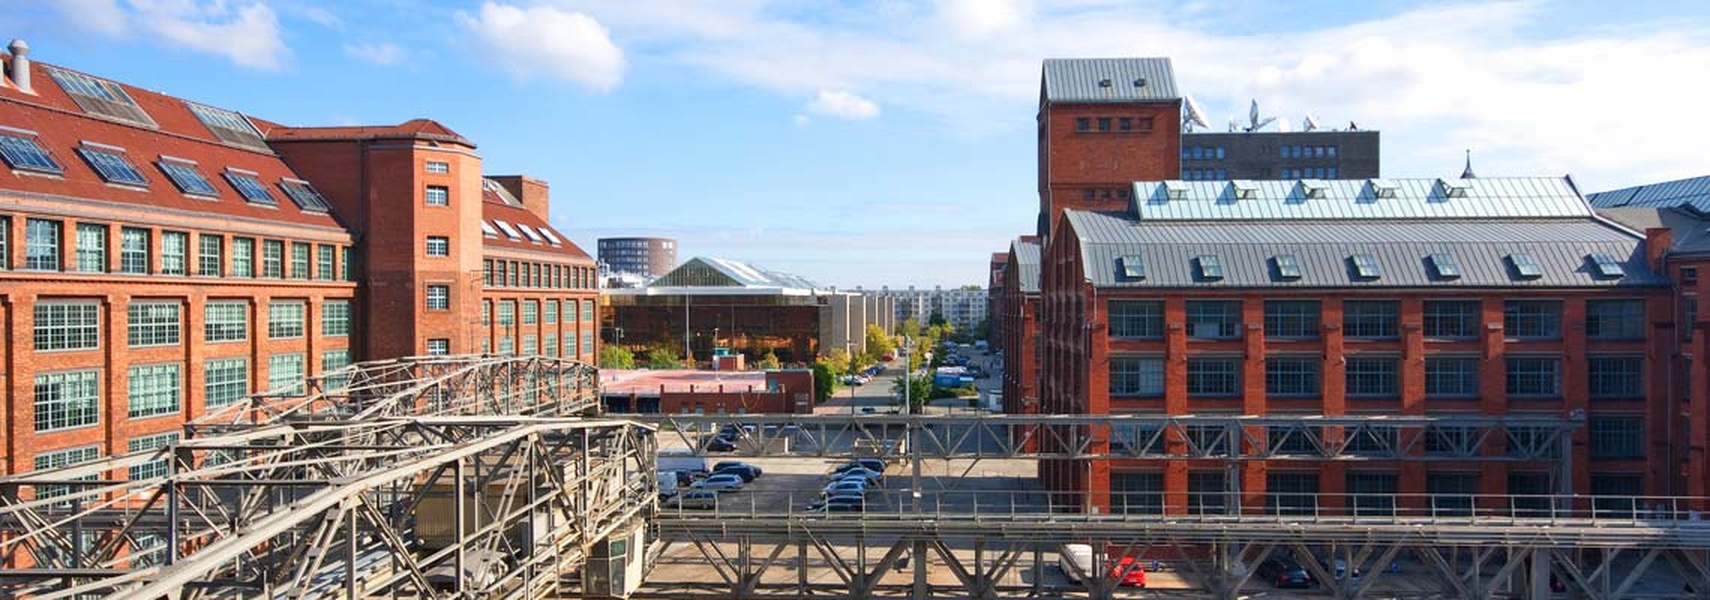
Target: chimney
x,y
1658,240
533,193
20,66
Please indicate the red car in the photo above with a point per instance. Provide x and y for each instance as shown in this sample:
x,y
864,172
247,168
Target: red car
x,y
1133,577
1078,558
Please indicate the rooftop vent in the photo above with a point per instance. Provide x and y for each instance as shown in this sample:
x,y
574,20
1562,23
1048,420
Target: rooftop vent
x,y
1104,83
20,67
1139,82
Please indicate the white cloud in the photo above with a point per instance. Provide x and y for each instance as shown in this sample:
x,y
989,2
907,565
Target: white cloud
x,y
801,120
246,33
385,54
548,41
1532,94
976,19
843,105
104,17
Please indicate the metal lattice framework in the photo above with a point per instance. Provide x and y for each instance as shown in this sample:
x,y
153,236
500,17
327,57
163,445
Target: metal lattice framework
x,y
353,490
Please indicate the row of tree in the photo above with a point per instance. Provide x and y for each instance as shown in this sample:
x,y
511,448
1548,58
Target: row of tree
x,y
663,355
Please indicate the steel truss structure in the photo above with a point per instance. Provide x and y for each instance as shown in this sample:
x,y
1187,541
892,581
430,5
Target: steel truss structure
x,y
1223,438
425,477
1015,556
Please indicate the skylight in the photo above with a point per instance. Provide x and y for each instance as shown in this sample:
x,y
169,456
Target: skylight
x,y
1210,267
1606,265
250,187
1175,190
510,232
1443,266
551,238
229,126
1133,266
304,195
1243,189
1313,188
100,97
1365,266
1455,188
24,153
184,175
1383,188
1524,266
1288,267
529,231
112,166
487,230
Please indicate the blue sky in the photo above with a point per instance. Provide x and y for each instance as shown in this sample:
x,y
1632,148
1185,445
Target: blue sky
x,y
891,142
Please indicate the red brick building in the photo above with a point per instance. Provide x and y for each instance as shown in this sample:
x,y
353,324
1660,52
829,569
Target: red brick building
x,y
164,257
1104,124
1407,297
1020,327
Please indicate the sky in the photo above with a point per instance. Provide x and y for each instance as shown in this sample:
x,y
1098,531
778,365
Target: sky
x,y
892,142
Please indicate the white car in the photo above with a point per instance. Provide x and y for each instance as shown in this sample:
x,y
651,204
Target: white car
x,y
723,482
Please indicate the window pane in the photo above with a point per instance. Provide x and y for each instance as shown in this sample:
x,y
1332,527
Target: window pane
x,y
1532,319
1292,376
1614,319
154,390
1137,319
67,326
1451,319
1373,377
153,324
1371,319
1534,377
1214,319
66,400
226,321
1137,376
225,381
1291,319
1451,377
91,248
1213,377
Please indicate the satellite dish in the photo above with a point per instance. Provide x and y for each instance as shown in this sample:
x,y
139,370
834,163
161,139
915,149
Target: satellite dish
x,y
1256,123
1191,115
1309,124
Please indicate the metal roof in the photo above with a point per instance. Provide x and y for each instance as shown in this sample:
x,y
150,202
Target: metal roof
x,y
1108,80
1026,264
1509,197
1689,229
1324,249
704,271
1694,192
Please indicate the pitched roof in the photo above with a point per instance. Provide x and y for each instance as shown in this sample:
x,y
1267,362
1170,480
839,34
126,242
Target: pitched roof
x,y
511,226
1169,253
1692,191
423,129
1688,228
705,271
1107,80
1026,264
60,125
1504,197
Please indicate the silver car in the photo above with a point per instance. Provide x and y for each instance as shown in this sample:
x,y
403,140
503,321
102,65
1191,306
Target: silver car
x,y
723,482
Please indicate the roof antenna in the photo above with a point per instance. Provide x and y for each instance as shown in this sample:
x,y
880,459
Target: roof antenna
x,y
1467,173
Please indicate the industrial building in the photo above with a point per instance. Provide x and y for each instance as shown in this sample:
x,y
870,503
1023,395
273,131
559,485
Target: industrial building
x,y
164,258
646,257
1319,154
707,303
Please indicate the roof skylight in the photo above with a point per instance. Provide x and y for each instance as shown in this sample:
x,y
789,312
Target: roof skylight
x,y
1444,266
1133,266
510,232
1454,188
487,230
1366,266
250,187
230,127
1243,189
1313,188
529,232
1175,189
24,153
1288,267
1524,266
100,97
112,166
1606,265
1210,267
1383,188
184,175
304,195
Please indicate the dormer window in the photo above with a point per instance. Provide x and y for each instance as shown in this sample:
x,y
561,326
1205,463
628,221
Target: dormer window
x,y
1243,189
1175,190
1525,267
1210,267
1133,267
1454,188
1313,189
1444,266
1288,267
1383,188
1365,266
1606,265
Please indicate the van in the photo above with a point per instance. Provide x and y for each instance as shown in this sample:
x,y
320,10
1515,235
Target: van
x,y
680,459
1075,560
668,484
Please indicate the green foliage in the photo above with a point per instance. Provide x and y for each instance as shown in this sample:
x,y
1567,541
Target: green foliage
x,y
838,360
937,318
613,356
879,343
664,356
920,388
824,381
769,362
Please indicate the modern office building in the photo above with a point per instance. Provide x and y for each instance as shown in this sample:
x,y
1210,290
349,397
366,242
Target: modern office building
x,y
708,303
164,258
1406,297
1320,154
648,257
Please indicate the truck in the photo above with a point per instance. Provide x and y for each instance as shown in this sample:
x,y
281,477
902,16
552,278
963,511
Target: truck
x,y
680,459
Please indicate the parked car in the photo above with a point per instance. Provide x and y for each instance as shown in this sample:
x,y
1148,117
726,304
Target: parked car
x,y
1074,559
694,499
854,485
862,473
746,472
720,465
1285,573
871,464
720,444
843,503
722,482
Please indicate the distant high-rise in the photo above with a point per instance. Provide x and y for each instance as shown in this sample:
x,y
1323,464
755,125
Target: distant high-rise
x,y
648,256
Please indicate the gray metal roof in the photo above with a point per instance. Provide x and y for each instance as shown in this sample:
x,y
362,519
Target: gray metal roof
x,y
1505,197
1026,264
1694,192
1108,80
1687,227
1323,249
695,273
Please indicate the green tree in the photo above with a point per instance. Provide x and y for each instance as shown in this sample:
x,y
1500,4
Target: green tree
x,y
909,328
937,318
919,389
769,362
613,356
838,360
824,381
663,356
